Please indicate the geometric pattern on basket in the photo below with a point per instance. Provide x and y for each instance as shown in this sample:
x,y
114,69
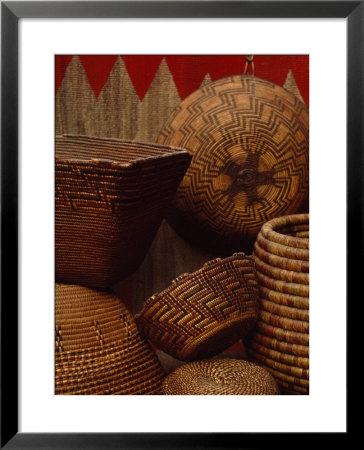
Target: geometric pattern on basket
x,y
203,313
220,377
280,340
249,141
98,349
111,196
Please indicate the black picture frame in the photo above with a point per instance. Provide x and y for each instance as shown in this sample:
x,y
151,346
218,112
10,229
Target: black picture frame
x,y
11,12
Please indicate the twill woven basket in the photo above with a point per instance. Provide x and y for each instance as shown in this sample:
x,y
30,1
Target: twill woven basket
x,y
98,349
111,196
220,377
280,340
249,139
203,313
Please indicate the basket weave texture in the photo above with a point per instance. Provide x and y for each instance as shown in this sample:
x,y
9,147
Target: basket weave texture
x,y
111,196
280,340
203,313
98,349
249,139
220,377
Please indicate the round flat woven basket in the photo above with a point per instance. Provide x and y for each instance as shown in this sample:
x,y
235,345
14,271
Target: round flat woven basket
x,y
201,314
249,144
220,377
98,349
280,340
111,196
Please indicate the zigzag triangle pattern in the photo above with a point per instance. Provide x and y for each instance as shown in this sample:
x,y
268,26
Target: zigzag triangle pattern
x,y
203,313
249,144
131,97
187,70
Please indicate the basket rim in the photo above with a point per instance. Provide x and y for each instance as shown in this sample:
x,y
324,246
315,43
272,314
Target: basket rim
x,y
270,230
236,77
102,161
291,253
278,261
189,276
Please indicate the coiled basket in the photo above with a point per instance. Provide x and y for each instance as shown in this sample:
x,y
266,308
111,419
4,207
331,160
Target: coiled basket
x,y
203,313
280,340
220,377
98,349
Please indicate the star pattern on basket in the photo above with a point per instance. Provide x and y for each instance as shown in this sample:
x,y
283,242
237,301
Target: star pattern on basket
x,y
246,177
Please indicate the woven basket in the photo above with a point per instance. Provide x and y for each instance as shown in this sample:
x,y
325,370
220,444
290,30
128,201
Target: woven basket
x,y
99,350
220,377
203,313
275,344
111,196
249,141
280,340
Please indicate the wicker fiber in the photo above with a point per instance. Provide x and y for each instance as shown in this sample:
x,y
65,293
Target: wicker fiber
x,y
292,337
276,230
284,299
203,313
249,141
99,350
111,196
283,286
284,311
279,274
275,344
220,377
281,337
282,250
288,369
285,358
302,326
278,261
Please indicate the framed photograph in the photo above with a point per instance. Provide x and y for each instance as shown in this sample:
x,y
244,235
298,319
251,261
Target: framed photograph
x,y
66,69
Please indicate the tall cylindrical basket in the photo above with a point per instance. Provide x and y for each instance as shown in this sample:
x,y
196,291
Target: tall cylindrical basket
x,y
280,340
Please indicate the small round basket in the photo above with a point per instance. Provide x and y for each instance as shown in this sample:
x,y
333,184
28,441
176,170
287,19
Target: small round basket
x,y
98,349
280,340
201,314
220,377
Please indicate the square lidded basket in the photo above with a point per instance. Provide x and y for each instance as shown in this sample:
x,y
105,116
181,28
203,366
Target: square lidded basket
x,y
110,198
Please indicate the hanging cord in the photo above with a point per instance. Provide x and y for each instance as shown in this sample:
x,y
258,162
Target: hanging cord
x,y
249,61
